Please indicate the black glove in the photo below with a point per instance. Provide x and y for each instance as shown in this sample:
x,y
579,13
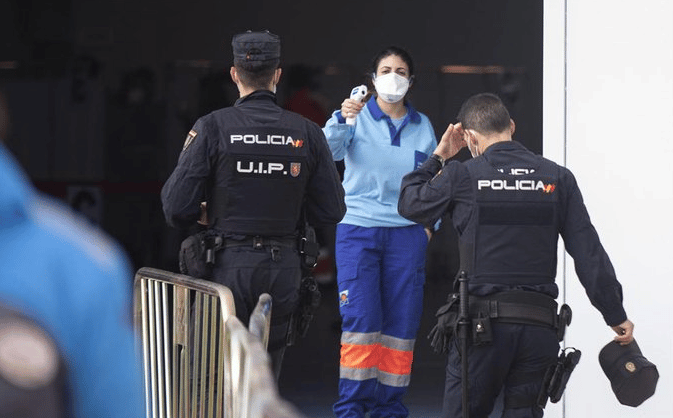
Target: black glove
x,y
447,318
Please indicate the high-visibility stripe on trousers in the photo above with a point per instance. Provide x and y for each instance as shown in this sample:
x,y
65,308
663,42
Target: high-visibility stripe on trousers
x,y
380,273
372,355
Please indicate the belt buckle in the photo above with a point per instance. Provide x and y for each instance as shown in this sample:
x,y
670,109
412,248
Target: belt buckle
x,y
257,242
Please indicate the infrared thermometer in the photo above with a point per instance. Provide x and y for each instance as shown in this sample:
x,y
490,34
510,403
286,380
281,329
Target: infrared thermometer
x,y
358,93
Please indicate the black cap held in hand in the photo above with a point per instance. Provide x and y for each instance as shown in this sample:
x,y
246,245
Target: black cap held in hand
x,y
256,46
633,378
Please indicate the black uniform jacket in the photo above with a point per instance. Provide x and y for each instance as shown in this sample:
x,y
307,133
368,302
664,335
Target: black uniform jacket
x,y
259,163
508,207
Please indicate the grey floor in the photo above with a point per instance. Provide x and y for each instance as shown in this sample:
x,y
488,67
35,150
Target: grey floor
x,y
311,368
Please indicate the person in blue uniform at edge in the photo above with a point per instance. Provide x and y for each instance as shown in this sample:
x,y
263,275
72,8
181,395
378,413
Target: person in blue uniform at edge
x,y
257,167
380,256
509,207
75,282
40,373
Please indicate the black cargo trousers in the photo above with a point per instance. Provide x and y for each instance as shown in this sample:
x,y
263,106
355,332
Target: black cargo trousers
x,y
250,270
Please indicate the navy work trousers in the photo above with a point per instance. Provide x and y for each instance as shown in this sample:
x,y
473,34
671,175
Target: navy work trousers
x,y
380,274
514,363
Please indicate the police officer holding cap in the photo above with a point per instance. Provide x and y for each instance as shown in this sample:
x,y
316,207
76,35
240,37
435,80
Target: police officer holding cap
x,y
508,206
252,173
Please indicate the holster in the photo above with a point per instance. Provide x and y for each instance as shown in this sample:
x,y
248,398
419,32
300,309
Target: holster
x,y
197,254
309,294
557,375
308,247
309,301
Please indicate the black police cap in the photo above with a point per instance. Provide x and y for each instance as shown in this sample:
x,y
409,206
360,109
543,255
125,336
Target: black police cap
x,y
256,46
633,378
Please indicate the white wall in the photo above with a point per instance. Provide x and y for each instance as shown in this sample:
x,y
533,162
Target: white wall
x,y
608,116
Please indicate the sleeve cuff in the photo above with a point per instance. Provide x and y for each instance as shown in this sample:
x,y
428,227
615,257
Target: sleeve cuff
x,y
437,158
615,318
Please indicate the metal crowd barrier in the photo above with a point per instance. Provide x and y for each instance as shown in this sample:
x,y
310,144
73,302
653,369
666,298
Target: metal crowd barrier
x,y
181,320
199,359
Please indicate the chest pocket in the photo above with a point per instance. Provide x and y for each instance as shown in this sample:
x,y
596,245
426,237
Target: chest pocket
x,y
419,158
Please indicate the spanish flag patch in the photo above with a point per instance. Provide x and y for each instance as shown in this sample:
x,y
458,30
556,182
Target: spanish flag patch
x,y
190,137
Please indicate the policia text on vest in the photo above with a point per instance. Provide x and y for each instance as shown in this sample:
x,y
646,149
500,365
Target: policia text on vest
x,y
509,207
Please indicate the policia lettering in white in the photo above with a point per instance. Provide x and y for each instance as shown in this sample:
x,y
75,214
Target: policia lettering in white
x,y
263,140
497,184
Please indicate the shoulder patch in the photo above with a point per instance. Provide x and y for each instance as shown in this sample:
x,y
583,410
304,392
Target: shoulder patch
x,y
295,169
190,137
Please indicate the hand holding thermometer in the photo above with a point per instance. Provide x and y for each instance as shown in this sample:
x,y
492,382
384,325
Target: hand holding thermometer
x,y
358,93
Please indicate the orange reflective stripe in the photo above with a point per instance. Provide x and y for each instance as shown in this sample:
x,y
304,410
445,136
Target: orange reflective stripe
x,y
359,356
389,360
395,361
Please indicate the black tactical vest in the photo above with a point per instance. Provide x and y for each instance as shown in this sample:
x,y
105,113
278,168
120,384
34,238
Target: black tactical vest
x,y
260,180
516,231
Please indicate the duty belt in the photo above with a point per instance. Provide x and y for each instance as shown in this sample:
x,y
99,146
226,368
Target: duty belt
x,y
521,307
259,242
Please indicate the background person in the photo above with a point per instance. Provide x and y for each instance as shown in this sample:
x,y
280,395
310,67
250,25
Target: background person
x,y
257,167
509,207
74,281
380,256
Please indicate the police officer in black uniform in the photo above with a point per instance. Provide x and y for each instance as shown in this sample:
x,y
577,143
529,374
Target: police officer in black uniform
x,y
252,173
508,206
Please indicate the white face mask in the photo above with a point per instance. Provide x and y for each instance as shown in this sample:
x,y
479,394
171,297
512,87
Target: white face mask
x,y
391,87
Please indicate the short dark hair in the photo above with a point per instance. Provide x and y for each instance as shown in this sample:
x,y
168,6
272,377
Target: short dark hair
x,y
484,113
257,75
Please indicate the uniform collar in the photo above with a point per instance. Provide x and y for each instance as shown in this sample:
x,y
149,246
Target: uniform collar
x,y
504,146
378,114
257,95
